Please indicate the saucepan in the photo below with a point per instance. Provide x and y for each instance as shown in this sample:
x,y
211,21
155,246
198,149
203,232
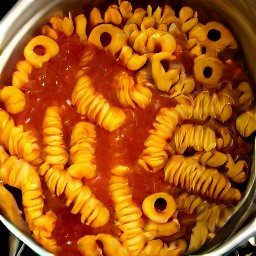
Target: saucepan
x,y
23,20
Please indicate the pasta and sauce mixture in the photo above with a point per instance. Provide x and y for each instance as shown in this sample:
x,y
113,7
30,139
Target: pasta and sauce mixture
x,y
127,131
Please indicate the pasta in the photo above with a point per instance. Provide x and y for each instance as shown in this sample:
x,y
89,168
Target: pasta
x,y
92,211
21,76
13,99
87,245
128,214
188,174
17,173
50,46
20,143
55,153
82,152
130,92
128,129
193,136
93,104
210,217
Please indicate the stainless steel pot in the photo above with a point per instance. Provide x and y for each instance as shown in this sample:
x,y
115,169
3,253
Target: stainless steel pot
x,y
22,21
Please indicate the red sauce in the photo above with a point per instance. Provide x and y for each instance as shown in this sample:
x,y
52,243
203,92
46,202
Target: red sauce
x,y
53,85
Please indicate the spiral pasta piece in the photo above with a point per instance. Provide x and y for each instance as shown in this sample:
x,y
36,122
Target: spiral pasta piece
x,y
125,9
118,38
246,98
209,217
236,171
128,214
20,143
95,106
215,34
87,245
217,106
159,207
158,248
13,98
17,173
112,15
223,133
55,149
188,18
212,158
83,201
64,25
51,49
187,173
245,123
213,215
154,156
81,25
49,32
131,60
82,151
187,136
164,80
129,92
208,70
153,230
21,76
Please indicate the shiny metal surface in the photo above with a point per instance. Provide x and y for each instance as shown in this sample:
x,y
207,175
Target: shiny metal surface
x,y
27,15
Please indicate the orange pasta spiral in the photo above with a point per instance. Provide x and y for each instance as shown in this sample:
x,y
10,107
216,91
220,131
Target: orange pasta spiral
x,y
128,214
187,173
210,216
82,150
154,156
95,106
83,201
17,173
55,152
130,92
19,142
193,136
157,247
87,245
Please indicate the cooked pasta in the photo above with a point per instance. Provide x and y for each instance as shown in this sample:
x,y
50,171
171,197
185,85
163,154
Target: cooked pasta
x,y
87,245
245,122
138,121
197,137
51,49
20,143
164,80
64,25
188,174
20,77
55,153
158,247
117,41
83,201
159,207
130,59
95,106
154,156
81,26
17,173
128,214
82,151
188,18
130,92
13,98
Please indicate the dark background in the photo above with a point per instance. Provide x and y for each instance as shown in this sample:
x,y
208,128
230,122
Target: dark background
x,y
248,249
